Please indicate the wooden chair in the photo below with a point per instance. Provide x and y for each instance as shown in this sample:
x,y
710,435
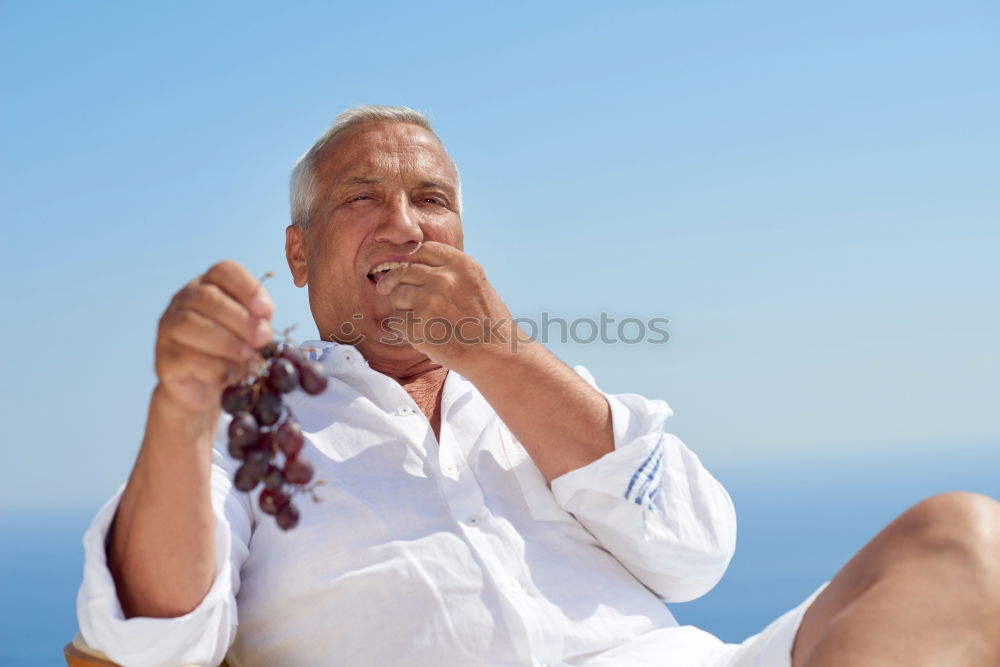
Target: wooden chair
x,y
79,654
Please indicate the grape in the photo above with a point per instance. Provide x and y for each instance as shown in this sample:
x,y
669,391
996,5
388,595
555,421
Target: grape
x,y
243,429
298,471
236,398
259,458
271,501
294,355
289,437
287,516
262,426
312,375
247,477
282,376
265,441
274,479
236,451
267,410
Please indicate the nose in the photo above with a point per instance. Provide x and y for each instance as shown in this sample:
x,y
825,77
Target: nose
x,y
400,223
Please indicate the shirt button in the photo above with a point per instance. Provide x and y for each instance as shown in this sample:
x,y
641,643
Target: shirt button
x,y
514,585
450,469
405,411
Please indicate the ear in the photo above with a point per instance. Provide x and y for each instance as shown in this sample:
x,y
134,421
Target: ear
x,y
295,253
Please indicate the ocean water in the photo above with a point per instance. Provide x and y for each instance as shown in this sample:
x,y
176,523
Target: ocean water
x,y
798,524
41,564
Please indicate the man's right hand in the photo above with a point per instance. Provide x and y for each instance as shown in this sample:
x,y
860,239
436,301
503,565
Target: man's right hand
x,y
162,549
208,333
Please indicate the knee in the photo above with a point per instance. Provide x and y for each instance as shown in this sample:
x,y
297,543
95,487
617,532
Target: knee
x,y
960,523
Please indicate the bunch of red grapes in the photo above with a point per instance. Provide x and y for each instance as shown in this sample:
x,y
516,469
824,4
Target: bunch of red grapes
x,y
264,433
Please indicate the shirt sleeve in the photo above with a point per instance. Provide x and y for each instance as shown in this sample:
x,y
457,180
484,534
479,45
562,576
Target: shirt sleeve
x,y
652,504
200,637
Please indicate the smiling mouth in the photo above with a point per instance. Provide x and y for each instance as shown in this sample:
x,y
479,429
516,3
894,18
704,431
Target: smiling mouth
x,y
380,271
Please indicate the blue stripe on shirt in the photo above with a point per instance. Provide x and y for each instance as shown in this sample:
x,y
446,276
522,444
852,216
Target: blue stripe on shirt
x,y
638,472
658,449
650,476
651,495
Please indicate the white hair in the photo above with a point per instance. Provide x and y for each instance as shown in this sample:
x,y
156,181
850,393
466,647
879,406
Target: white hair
x,y
303,184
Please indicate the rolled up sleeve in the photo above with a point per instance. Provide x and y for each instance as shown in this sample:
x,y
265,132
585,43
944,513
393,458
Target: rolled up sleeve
x,y
652,504
200,637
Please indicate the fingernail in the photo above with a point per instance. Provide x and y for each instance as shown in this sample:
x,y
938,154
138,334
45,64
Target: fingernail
x,y
263,333
260,304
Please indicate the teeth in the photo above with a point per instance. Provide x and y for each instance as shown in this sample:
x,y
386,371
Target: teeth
x,y
385,266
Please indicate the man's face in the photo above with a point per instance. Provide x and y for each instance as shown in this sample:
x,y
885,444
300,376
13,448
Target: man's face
x,y
381,188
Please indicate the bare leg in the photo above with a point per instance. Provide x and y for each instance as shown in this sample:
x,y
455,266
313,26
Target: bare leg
x,y
925,591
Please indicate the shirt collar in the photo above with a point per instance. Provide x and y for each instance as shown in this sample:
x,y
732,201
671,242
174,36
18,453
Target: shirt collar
x,y
338,357
333,356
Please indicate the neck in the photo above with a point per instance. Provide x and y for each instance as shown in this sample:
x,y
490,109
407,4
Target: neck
x,y
422,379
425,390
402,364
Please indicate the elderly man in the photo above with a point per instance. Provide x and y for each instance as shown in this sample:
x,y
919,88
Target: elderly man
x,y
484,504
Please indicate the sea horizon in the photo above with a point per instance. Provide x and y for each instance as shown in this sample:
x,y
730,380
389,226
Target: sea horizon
x,y
798,524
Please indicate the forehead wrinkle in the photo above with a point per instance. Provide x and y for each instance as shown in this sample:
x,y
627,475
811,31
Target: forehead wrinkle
x,y
404,163
389,153
362,180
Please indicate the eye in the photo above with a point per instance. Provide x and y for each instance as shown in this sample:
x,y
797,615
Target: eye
x,y
433,199
360,198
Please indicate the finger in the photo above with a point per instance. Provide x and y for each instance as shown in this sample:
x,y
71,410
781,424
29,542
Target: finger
x,y
215,304
183,363
191,329
434,253
404,297
412,274
236,281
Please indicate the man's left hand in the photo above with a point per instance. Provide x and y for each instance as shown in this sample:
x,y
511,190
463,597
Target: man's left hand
x,y
443,305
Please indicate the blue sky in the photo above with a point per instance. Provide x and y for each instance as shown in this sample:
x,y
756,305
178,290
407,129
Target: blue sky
x,y
808,193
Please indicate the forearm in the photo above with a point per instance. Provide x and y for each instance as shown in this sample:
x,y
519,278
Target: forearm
x,y
562,422
162,547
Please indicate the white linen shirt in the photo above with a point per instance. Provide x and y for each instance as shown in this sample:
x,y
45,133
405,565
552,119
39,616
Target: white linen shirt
x,y
450,552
